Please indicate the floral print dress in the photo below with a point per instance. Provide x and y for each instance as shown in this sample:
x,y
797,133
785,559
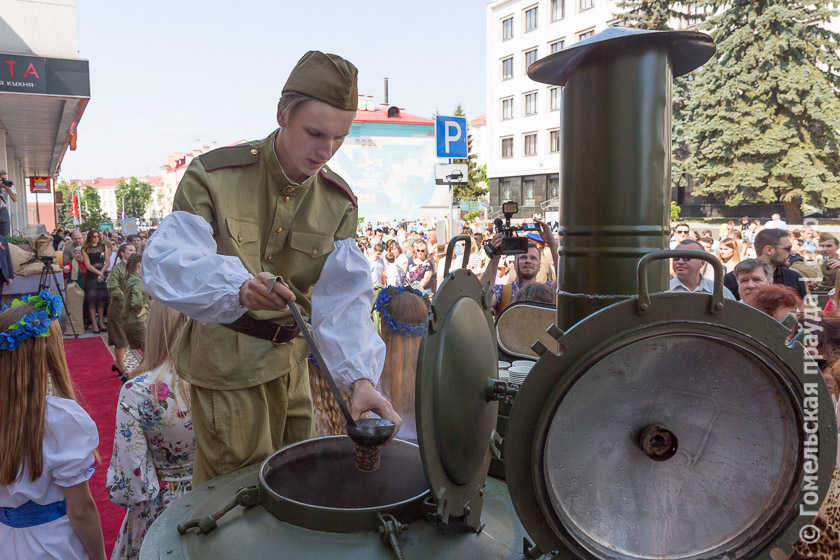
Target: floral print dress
x,y
152,463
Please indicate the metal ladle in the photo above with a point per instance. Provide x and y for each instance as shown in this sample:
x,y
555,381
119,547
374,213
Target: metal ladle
x,y
369,432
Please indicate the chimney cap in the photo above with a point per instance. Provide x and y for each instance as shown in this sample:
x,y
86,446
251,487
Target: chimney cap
x,y
689,50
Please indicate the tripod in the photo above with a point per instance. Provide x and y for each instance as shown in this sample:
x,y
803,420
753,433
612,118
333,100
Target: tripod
x,y
46,280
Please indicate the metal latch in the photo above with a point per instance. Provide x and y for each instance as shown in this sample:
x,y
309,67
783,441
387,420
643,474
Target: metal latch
x,y
389,530
245,497
496,390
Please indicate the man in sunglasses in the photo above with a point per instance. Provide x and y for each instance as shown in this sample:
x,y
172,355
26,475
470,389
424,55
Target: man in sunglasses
x,y
773,247
688,276
681,233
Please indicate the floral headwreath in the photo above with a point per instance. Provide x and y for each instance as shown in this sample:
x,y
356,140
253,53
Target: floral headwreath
x,y
383,305
34,324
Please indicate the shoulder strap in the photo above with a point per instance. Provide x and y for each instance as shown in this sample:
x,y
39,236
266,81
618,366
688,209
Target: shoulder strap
x,y
333,177
231,156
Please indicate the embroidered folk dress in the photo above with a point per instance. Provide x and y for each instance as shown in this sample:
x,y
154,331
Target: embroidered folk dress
x,y
153,454
70,438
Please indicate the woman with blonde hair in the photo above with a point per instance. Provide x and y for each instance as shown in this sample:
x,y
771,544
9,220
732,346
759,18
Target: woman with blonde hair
x,y
403,313
729,253
48,441
154,445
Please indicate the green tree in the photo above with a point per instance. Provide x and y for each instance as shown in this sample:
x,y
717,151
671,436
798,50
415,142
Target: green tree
x,y
91,208
476,187
765,111
648,14
133,197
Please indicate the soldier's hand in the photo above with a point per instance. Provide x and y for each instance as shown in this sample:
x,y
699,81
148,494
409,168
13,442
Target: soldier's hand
x,y
366,397
254,294
832,263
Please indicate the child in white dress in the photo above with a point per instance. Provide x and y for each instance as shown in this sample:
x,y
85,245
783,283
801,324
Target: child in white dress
x,y
48,442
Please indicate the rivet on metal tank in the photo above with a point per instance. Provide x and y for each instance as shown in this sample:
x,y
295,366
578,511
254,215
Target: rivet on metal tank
x,y
615,158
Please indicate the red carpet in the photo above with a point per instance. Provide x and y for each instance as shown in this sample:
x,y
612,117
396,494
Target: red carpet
x,y
97,390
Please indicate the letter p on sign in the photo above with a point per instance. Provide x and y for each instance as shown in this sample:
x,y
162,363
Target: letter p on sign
x,y
451,135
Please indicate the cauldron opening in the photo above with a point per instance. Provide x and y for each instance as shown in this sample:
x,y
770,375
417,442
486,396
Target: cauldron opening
x,y
321,473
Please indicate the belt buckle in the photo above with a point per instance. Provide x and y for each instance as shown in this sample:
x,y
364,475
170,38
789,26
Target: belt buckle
x,y
276,333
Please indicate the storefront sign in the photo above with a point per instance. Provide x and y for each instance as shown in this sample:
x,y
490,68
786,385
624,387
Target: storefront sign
x,y
39,185
23,74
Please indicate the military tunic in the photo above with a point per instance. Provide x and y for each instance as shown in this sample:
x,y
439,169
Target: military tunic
x,y
249,395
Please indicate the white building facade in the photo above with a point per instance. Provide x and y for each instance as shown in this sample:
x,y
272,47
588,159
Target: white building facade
x,y
523,116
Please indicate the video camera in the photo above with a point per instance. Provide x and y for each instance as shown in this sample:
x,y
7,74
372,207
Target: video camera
x,y
47,260
511,243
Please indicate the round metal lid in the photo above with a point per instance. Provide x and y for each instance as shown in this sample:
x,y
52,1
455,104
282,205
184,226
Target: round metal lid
x,y
689,50
669,431
455,422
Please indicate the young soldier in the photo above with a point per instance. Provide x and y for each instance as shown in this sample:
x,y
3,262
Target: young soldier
x,y
244,215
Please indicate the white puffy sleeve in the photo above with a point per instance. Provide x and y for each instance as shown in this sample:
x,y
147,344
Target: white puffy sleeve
x,y
182,270
342,300
70,438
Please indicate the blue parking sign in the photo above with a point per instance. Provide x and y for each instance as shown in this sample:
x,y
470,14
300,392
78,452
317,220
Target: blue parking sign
x,y
451,135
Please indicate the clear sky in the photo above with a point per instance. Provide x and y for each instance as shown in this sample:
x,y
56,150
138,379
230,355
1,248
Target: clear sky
x,y
170,76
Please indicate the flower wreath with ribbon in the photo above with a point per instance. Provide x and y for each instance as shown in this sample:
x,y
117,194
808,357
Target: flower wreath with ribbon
x,y
383,305
36,323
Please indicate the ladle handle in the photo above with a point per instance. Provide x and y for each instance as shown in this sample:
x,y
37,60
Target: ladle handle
x,y
321,363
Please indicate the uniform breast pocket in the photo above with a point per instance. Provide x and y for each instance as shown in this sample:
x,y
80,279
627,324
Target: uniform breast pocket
x,y
245,238
312,244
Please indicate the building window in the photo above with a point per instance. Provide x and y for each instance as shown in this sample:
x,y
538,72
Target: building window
x,y
507,68
553,141
530,144
585,4
586,34
531,19
554,94
553,186
507,29
507,147
504,189
557,46
528,191
558,9
530,58
507,108
531,103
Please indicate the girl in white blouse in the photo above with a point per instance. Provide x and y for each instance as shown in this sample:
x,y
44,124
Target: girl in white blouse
x,y
48,442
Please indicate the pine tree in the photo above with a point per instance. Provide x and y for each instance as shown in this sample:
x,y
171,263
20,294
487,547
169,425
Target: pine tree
x,y
648,14
764,112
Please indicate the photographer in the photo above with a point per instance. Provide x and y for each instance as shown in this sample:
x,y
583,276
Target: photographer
x,y
527,266
7,191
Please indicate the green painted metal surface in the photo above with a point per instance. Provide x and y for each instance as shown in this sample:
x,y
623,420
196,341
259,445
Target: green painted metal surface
x,y
616,159
256,534
454,421
725,373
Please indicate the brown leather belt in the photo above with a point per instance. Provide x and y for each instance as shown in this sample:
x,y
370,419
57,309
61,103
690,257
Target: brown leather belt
x,y
263,328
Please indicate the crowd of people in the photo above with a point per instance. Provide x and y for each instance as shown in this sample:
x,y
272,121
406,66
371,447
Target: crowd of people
x,y
225,379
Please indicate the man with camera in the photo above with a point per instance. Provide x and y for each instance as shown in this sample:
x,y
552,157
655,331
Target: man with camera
x,y
527,267
7,191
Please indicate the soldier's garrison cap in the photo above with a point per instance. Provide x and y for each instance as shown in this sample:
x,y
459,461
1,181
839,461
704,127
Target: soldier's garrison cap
x,y
825,236
326,77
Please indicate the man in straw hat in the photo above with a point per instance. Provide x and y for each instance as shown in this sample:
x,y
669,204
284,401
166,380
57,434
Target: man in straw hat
x,y
243,217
